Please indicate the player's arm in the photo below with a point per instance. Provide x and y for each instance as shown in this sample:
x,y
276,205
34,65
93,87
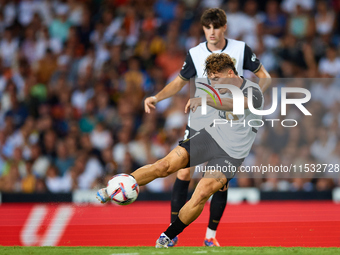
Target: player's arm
x,y
168,91
252,63
265,78
188,71
227,103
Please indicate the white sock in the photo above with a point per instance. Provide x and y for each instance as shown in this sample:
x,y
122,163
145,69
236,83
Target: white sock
x,y
210,233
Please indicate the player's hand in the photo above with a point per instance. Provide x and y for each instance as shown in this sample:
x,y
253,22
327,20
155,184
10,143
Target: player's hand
x,y
192,104
149,103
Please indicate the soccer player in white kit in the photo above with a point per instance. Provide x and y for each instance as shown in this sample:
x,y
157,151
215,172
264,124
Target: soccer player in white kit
x,y
219,145
214,22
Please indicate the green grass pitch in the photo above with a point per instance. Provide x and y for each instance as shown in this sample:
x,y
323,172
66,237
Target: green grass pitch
x,y
17,250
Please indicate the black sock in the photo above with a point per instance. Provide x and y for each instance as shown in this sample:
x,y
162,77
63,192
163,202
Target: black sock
x,y
175,228
178,197
217,206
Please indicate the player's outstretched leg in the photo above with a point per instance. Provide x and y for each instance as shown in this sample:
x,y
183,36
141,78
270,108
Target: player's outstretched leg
x,y
179,196
177,159
217,207
212,182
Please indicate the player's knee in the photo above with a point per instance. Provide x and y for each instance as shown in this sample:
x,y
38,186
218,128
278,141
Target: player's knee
x,y
202,196
184,174
162,168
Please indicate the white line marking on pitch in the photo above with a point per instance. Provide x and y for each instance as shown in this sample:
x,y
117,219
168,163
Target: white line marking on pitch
x,y
125,254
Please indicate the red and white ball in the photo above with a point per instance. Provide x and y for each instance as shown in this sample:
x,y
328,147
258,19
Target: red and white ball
x,y
122,189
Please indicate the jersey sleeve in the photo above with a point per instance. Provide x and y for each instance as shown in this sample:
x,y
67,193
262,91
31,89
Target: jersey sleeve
x,y
188,70
250,61
257,97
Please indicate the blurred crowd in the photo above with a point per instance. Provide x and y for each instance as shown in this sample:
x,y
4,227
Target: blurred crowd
x,y
73,76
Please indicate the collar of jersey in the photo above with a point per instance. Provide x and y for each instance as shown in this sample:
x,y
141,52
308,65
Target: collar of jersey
x,y
225,46
243,83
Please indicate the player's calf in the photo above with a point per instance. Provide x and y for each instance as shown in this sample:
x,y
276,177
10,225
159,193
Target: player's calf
x,y
205,188
162,168
175,160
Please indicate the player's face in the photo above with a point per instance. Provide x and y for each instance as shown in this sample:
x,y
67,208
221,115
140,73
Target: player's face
x,y
225,77
214,35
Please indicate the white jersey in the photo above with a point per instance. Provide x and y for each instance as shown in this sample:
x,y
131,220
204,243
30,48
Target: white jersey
x,y
237,138
235,49
194,67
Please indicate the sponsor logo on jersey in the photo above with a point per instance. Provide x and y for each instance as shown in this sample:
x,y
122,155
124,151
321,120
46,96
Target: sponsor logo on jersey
x,y
253,57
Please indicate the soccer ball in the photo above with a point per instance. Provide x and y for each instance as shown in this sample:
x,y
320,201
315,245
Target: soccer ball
x,y
122,189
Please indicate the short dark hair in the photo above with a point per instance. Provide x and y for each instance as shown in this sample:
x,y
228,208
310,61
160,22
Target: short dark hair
x,y
214,16
218,62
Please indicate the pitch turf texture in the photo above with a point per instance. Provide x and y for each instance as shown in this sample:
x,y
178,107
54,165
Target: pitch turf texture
x,y
17,250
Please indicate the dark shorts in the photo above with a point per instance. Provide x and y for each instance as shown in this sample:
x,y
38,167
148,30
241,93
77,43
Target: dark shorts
x,y
203,148
188,132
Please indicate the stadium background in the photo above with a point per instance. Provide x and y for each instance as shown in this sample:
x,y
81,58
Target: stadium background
x,y
73,76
